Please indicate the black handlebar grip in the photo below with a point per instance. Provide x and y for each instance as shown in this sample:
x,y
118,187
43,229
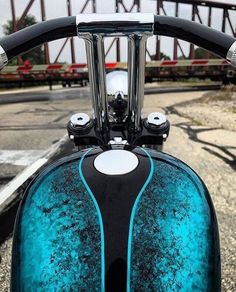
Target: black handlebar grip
x,y
198,34
35,35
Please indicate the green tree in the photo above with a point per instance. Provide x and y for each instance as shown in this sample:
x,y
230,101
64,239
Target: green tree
x,y
162,57
200,54
36,55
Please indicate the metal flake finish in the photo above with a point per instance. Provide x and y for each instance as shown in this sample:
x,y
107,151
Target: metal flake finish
x,y
57,244
173,239
175,244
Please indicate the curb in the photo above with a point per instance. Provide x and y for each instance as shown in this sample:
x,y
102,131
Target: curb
x,y
12,193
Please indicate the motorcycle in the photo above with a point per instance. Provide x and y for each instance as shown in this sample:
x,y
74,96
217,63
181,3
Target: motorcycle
x,y
118,215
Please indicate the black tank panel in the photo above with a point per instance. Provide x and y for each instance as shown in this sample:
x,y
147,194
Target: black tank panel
x,y
115,195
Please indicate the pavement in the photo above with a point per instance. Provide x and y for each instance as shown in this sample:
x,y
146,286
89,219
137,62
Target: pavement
x,y
203,143
27,129
43,94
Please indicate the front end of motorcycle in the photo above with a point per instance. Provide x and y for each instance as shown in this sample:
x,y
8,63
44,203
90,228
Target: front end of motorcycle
x,y
118,215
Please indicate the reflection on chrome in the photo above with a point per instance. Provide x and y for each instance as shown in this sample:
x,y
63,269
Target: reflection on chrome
x,y
118,24
231,55
136,69
97,77
137,27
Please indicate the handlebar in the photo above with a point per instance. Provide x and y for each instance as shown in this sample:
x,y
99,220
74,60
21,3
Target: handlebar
x,y
203,36
28,38
117,24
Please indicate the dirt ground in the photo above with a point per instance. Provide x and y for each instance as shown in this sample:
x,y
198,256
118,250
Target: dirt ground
x,y
203,134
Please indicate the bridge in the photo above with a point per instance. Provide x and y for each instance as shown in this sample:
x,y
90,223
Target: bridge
x,y
200,11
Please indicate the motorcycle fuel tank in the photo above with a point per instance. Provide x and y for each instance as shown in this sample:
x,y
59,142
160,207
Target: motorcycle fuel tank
x,y
144,223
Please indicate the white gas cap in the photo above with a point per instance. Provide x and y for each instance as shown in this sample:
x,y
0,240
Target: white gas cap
x,y
116,162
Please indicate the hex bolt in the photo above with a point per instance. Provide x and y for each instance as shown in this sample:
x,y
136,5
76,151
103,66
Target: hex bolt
x,y
156,119
164,137
80,120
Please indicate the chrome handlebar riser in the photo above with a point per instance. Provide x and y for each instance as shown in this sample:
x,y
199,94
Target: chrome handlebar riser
x,y
136,77
137,27
96,68
118,24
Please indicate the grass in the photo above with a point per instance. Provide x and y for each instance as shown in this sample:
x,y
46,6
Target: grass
x,y
227,93
189,82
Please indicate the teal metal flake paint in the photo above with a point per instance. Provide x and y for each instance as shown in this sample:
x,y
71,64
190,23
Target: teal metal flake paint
x,y
175,245
100,221
170,240
133,213
57,244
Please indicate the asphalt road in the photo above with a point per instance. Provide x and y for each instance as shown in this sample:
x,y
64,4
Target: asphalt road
x,y
78,93
29,128
43,94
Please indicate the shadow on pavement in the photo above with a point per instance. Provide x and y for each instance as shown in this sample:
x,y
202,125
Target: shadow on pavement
x,y
193,135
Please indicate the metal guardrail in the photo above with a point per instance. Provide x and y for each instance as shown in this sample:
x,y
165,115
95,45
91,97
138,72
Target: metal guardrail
x,y
61,68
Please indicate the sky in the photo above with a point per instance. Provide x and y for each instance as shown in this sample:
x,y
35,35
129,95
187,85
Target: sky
x,y
57,8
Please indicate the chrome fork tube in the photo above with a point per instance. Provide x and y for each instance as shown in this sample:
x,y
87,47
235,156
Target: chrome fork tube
x,y
137,27
136,77
97,77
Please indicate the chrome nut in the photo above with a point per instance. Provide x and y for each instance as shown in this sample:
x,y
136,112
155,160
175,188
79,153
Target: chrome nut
x,y
80,120
156,119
